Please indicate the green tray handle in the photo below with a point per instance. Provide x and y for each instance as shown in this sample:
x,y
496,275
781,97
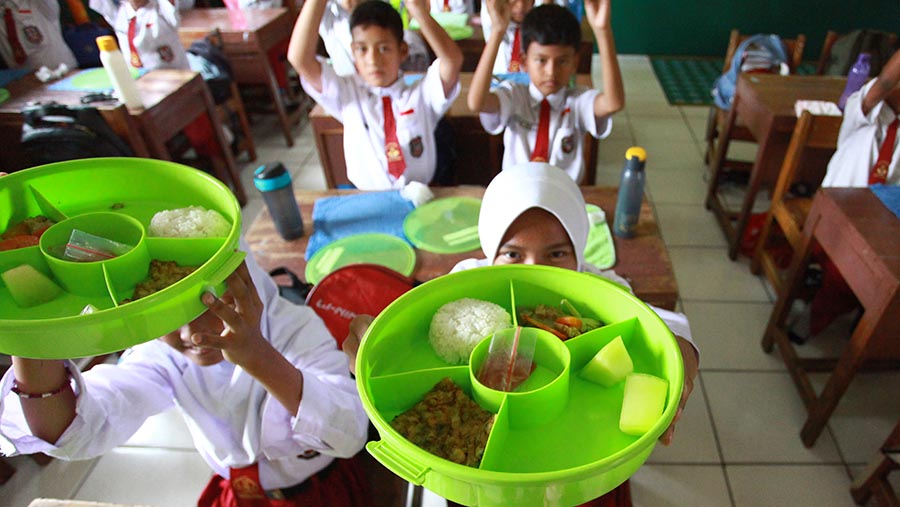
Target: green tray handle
x,y
217,277
398,462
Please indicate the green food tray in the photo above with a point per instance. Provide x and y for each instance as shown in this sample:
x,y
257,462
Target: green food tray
x,y
556,440
115,197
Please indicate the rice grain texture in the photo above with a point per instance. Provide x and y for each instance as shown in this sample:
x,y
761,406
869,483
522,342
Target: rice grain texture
x,y
458,326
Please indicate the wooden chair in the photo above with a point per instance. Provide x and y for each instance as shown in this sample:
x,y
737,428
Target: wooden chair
x,y
830,38
875,484
234,104
717,117
813,142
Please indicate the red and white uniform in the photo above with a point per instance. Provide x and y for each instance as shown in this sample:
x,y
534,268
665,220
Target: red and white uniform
x,y
571,115
455,6
417,108
155,33
859,143
37,32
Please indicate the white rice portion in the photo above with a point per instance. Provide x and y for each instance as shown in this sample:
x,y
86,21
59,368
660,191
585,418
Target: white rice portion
x,y
458,326
190,222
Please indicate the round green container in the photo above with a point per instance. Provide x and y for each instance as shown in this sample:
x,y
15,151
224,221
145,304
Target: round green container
x,y
114,198
555,441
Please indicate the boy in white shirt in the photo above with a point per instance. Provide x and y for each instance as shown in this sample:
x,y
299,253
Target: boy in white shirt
x,y
867,143
259,381
454,6
546,119
36,38
509,55
388,123
147,31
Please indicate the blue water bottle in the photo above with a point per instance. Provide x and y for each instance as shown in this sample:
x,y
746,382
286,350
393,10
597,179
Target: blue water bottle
x,y
274,182
856,78
631,193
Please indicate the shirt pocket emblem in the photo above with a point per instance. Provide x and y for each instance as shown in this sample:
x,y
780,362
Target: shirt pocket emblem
x,y
568,144
416,146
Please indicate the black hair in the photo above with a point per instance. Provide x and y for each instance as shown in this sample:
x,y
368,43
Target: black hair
x,y
377,13
551,24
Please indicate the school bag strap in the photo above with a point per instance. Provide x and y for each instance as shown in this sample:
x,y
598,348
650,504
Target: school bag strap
x,y
55,132
724,86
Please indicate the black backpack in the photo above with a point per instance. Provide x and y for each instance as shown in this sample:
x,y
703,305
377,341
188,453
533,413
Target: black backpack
x,y
56,132
207,59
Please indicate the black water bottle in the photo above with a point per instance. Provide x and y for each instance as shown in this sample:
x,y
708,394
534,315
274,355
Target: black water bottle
x,y
274,182
631,193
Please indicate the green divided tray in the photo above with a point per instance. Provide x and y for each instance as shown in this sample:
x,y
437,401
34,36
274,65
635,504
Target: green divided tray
x,y
555,441
114,198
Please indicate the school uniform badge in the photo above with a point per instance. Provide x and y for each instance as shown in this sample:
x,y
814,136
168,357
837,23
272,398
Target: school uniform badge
x,y
166,53
568,144
33,34
416,146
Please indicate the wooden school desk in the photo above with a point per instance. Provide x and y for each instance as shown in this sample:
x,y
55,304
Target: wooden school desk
x,y
172,100
643,260
862,237
479,154
765,104
247,41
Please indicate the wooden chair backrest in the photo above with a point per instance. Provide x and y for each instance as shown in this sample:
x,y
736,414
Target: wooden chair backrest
x,y
830,38
793,47
811,132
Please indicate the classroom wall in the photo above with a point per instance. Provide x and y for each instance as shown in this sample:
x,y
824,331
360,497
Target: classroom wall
x,y
701,27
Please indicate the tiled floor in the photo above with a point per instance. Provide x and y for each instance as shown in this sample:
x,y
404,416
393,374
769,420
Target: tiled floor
x,y
737,443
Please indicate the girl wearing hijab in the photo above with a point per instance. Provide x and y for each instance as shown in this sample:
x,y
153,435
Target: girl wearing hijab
x,y
259,381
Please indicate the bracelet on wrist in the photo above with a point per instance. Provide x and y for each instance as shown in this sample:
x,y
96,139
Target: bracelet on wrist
x,y
32,396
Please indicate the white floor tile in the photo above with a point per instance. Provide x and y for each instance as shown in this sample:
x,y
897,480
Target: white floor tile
x,y
794,485
694,440
758,416
866,414
153,477
729,334
707,274
679,485
683,224
650,128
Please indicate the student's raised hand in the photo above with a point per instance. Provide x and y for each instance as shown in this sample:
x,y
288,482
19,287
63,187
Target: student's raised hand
x,y
598,13
691,367
418,9
358,327
500,13
240,310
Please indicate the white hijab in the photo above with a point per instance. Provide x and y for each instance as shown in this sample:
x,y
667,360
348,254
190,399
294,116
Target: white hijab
x,y
526,186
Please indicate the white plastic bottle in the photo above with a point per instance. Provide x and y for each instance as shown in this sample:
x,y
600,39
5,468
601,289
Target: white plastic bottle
x,y
119,73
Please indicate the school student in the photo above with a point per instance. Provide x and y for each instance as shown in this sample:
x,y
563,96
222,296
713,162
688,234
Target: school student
x,y
454,6
259,381
509,55
867,142
388,122
546,119
147,31
31,35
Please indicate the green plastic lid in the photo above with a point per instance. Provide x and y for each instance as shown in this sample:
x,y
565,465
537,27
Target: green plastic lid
x,y
448,225
600,249
383,249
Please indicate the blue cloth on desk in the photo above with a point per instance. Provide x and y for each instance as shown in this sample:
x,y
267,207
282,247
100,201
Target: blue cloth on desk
x,y
79,81
9,75
345,215
889,195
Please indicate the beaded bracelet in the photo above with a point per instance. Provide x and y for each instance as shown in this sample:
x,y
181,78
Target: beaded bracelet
x,y
29,396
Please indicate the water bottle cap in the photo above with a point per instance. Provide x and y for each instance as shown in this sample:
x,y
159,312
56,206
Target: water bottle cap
x,y
271,177
107,43
636,151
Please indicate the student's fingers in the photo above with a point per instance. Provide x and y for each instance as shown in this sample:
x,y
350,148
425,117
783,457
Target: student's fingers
x,y
224,312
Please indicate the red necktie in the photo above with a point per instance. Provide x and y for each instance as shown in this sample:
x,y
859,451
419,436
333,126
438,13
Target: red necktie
x,y
135,57
541,151
446,5
515,57
879,171
13,36
396,164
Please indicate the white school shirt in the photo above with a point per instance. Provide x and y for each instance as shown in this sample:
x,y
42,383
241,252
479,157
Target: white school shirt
x,y
859,142
232,419
156,32
504,51
358,106
335,32
39,32
571,115
455,6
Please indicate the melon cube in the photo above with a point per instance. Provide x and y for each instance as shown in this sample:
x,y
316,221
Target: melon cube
x,y
643,403
29,287
609,366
